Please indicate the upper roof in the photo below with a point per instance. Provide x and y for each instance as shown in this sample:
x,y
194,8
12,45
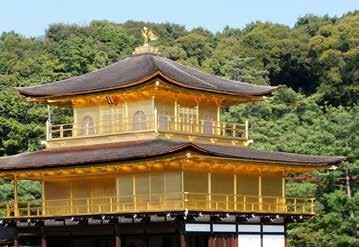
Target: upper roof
x,y
141,68
125,151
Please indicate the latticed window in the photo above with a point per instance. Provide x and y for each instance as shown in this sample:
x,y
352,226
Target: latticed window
x,y
88,126
207,126
139,121
188,117
164,121
111,117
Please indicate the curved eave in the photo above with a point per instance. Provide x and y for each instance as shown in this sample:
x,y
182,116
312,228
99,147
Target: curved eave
x,y
109,153
138,70
335,160
139,83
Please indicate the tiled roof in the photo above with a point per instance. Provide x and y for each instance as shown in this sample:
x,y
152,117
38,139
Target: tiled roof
x,y
125,151
139,69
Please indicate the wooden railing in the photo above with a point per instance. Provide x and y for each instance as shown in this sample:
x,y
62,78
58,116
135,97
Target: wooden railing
x,y
162,123
98,128
203,127
159,202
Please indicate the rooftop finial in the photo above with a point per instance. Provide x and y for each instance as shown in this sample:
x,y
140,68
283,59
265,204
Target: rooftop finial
x,y
148,35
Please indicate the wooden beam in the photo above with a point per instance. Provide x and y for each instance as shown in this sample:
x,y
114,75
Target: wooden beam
x,y
16,209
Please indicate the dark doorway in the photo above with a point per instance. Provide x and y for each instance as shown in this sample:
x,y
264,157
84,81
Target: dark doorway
x,y
92,243
151,241
135,242
196,241
82,242
58,243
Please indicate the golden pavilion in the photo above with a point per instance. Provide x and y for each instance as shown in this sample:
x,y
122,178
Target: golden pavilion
x,y
148,162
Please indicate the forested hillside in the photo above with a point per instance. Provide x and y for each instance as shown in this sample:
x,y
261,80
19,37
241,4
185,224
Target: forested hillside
x,y
315,112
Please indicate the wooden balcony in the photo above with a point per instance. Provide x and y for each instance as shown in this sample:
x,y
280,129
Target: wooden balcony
x,y
153,125
169,202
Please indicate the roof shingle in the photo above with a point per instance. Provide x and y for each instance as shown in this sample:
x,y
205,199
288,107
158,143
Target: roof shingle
x,y
125,151
139,69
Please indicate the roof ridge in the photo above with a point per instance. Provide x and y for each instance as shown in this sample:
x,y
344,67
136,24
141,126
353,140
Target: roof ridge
x,y
221,77
213,86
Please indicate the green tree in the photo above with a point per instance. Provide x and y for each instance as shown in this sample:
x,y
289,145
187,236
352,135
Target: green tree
x,y
317,113
245,69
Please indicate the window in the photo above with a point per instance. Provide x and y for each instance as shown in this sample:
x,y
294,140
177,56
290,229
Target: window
x,y
187,118
87,127
111,119
107,122
139,121
208,126
164,121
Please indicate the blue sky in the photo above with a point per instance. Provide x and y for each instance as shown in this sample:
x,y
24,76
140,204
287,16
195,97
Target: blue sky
x,y
32,17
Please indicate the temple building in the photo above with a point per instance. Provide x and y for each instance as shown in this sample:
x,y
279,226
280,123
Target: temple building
x,y
147,162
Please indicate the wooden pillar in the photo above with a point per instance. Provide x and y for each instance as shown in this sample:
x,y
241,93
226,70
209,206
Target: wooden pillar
x,y
283,185
117,192
219,119
48,123
260,192
235,191
198,128
156,118
117,236
49,113
285,233
43,241
16,242
246,134
211,241
118,241
283,202
76,121
126,116
43,199
48,130
176,114
183,197
100,123
261,232
134,191
209,180
182,242
155,114
43,237
16,209
71,199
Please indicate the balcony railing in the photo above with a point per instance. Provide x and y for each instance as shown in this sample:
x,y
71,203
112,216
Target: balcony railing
x,y
169,202
157,123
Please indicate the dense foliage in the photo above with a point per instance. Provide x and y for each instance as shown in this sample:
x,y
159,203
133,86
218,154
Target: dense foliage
x,y
316,112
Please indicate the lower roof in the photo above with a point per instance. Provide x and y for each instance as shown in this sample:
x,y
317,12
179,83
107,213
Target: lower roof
x,y
137,150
